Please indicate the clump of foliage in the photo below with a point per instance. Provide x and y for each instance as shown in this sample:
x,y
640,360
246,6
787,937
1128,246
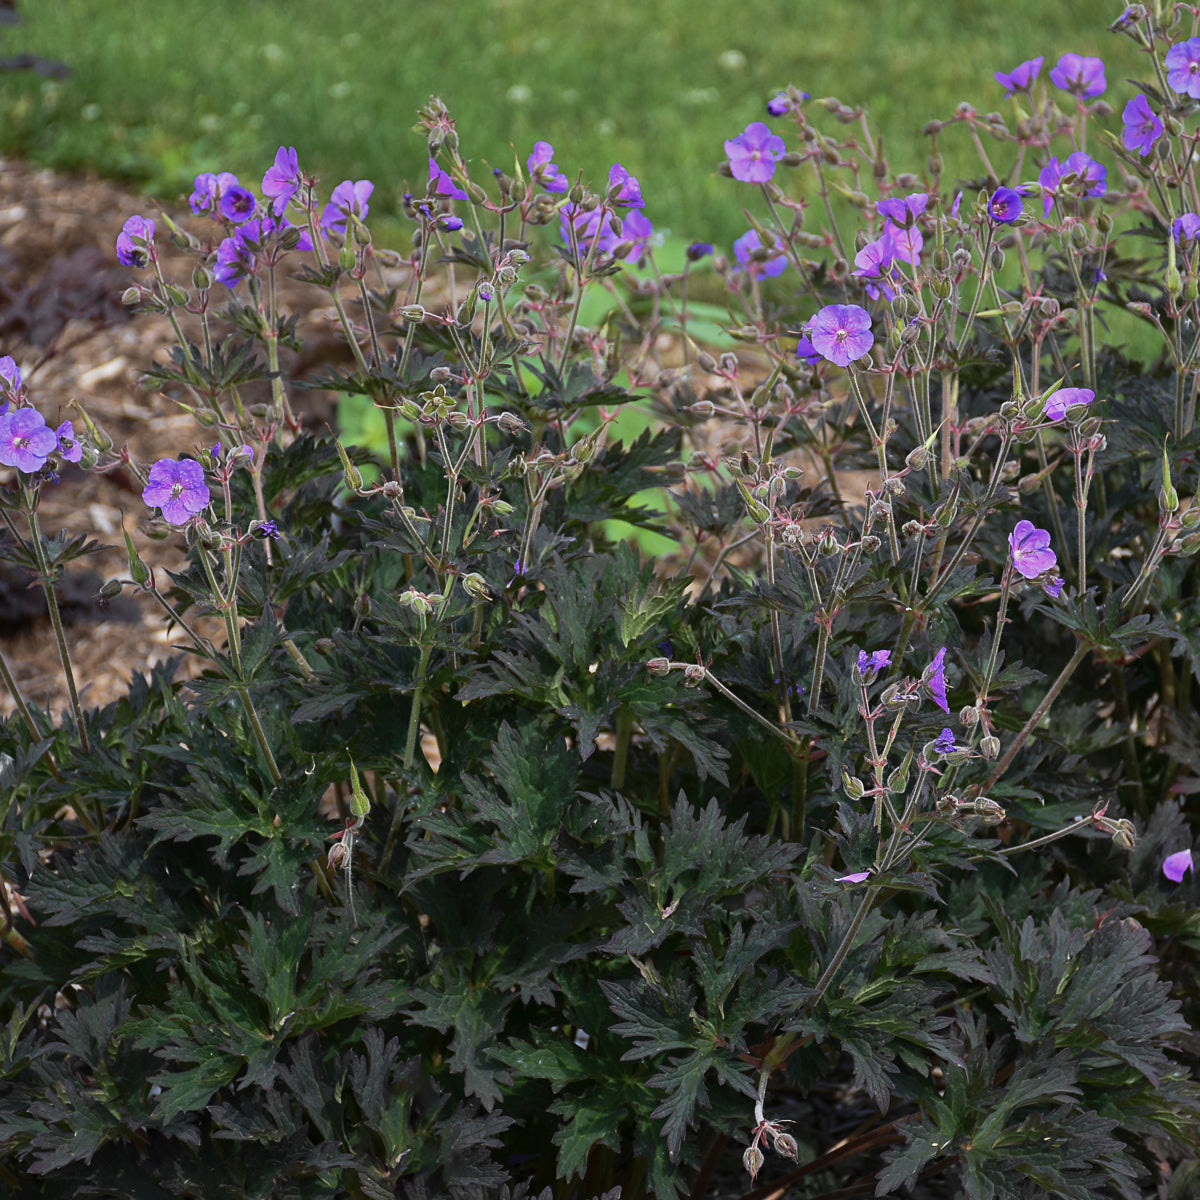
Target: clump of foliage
x,y
488,855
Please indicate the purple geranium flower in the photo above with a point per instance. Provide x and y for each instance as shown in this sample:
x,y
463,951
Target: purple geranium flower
x,y
10,375
1079,74
238,204
1031,553
1176,865
853,877
944,742
349,199
636,228
1090,176
874,262
842,333
906,243
806,352
68,446
208,189
1058,402
934,679
1183,68
134,242
282,180
752,153
903,211
267,529
874,662
629,191
441,184
956,206
450,223
595,226
1005,205
746,245
235,257
1142,126
778,106
1186,228
178,488
698,250
544,171
26,441
1020,78
1053,586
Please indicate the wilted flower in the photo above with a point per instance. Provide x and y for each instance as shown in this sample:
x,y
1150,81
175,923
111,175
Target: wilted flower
x,y
873,662
1053,586
10,375
753,152
934,679
778,106
1142,126
1030,547
1080,75
944,742
1021,77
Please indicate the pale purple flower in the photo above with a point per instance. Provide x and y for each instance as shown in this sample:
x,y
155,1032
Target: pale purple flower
x,y
1058,402
349,199
1183,68
10,375
629,191
1053,586
26,441
1187,227
208,190
853,877
544,171
944,742
134,242
874,662
1090,178
842,333
282,180
907,242
595,226
441,184
637,229
1080,75
1142,126
1030,547
178,488
238,204
1176,865
874,262
956,206
903,211
747,244
68,446
1021,77
778,106
934,679
753,152
235,257
1005,205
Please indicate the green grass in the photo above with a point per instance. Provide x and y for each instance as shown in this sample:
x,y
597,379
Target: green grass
x,y
162,89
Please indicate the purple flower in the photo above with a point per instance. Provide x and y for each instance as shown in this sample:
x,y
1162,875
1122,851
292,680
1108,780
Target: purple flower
x,y
282,180
698,250
235,257
69,446
1005,205
1176,865
752,153
1020,78
874,662
874,263
1183,68
349,199
853,877
1053,586
934,679
267,529
906,243
26,441
134,242
636,228
1031,553
1058,402
450,223
806,352
178,488
903,211
746,245
944,742
1090,178
954,208
544,171
10,375
778,106
1142,127
1079,74
440,184
842,333
208,190
1187,227
595,226
238,204
628,190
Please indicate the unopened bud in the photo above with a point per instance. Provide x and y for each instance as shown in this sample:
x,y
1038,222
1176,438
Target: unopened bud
x,y
659,666
360,802
853,786
1124,835
111,589
201,278
413,313
989,747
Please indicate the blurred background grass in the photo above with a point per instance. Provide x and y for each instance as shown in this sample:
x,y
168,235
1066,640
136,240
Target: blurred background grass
x,y
163,89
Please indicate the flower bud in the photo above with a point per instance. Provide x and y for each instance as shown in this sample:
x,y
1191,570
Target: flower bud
x,y
412,313
659,666
111,589
131,295
989,747
201,278
138,571
853,786
702,409
360,802
1124,835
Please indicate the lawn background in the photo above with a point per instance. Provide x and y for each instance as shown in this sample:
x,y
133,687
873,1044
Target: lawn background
x,y
163,89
